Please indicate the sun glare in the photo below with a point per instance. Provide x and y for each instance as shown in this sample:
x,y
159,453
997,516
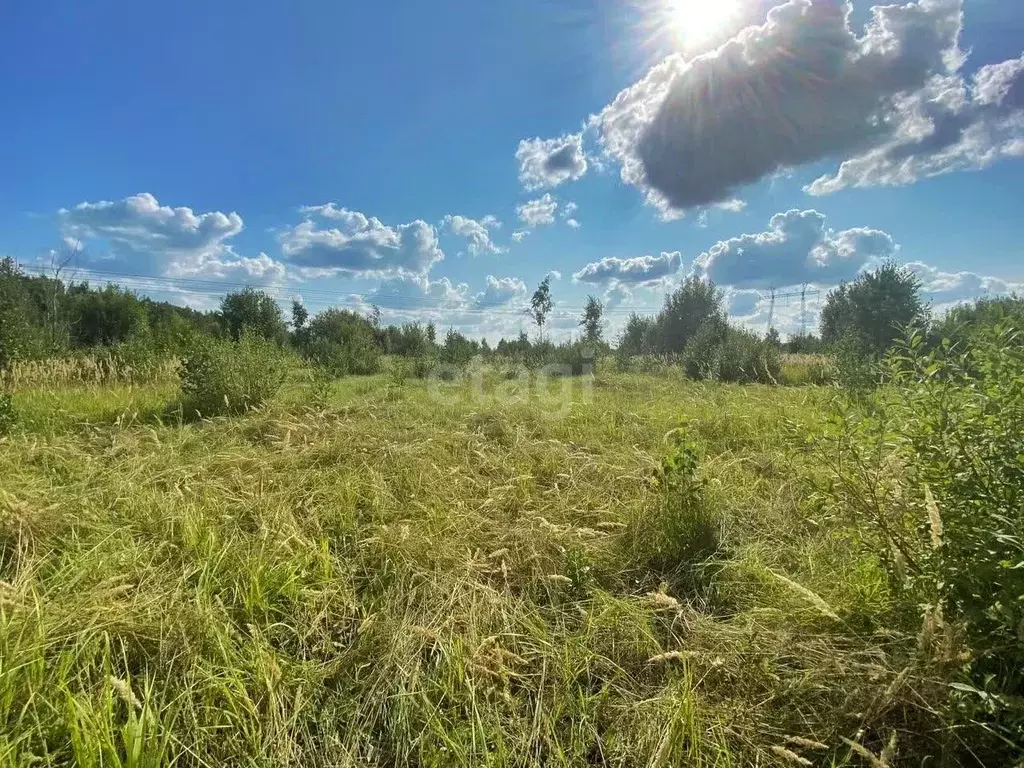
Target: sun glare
x,y
698,21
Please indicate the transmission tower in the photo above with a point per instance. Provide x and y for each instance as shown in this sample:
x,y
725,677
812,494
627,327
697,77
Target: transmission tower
x,y
802,294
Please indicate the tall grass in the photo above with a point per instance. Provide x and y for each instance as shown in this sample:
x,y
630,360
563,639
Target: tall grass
x,y
375,580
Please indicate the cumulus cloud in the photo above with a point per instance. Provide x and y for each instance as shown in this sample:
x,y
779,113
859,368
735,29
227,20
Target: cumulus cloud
x,y
635,271
417,292
539,212
519,235
139,235
946,126
797,248
805,86
239,269
476,232
499,292
617,295
546,163
948,288
354,245
554,274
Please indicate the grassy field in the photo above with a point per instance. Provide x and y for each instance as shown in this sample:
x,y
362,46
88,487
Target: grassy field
x,y
494,577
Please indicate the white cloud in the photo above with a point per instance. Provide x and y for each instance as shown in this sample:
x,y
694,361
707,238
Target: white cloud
x,y
417,292
732,206
499,292
476,232
138,235
567,215
359,246
554,274
539,212
519,235
548,163
946,126
945,289
262,269
797,248
806,86
617,295
634,271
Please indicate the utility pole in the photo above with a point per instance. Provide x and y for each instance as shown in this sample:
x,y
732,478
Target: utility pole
x,y
803,293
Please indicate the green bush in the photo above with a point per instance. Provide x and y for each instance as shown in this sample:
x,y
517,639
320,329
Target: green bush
x,y
223,377
7,413
719,352
576,359
702,355
676,540
340,360
745,358
928,473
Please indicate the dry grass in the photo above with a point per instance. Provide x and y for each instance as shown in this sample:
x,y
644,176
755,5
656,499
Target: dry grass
x,y
389,582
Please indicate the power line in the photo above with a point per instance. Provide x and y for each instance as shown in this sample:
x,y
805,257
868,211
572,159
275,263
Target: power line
x,y
802,294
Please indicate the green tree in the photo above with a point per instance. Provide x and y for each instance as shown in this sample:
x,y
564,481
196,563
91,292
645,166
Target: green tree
x,y
106,316
690,306
635,336
541,304
965,322
874,309
591,322
16,331
299,315
254,312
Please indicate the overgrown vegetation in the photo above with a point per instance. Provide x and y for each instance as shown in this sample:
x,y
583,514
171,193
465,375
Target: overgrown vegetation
x,y
221,377
368,566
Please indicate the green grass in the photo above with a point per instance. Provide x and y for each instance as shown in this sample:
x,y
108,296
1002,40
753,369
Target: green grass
x,y
392,581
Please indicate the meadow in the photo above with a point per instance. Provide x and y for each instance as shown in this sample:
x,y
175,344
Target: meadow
x,y
624,569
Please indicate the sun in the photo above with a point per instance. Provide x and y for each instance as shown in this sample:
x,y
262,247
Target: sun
x,y
698,21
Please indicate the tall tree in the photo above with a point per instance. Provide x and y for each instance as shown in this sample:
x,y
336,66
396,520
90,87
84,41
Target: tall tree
x,y
299,315
690,306
636,336
593,312
252,311
541,304
873,309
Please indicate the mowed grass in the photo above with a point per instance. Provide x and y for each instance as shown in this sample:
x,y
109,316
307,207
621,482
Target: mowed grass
x,y
395,578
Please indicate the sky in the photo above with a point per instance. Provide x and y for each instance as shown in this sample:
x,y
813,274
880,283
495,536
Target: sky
x,y
438,160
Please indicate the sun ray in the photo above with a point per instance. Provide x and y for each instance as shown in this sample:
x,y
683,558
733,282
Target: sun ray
x,y
696,21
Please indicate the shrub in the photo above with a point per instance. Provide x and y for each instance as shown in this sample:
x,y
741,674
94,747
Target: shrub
x,y
702,356
717,351
855,367
222,377
678,538
575,359
7,413
929,474
745,358
340,360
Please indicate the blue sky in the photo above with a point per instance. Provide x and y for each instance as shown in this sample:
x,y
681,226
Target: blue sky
x,y
439,159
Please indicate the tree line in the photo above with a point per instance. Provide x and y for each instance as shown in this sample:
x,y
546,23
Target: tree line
x,y
43,317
